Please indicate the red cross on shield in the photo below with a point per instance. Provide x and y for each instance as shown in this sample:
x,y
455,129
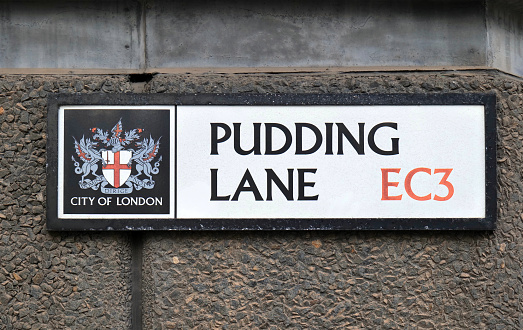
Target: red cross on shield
x,y
116,171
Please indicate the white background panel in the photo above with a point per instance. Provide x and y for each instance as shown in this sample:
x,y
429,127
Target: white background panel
x,y
348,185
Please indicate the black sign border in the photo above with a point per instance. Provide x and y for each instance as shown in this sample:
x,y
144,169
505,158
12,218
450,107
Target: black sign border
x,y
55,101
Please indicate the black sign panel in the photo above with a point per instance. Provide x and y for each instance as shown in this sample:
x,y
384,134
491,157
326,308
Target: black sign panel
x,y
271,162
116,161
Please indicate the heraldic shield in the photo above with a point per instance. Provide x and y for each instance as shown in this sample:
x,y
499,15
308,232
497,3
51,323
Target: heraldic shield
x,y
117,167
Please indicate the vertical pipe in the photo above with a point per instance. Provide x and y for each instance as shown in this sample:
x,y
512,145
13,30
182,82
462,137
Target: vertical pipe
x,y
136,280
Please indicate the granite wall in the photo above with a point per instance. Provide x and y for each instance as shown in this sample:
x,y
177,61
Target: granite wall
x,y
51,280
271,280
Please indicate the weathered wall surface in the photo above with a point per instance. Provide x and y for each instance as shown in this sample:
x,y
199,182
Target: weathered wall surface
x,y
158,34
236,280
327,280
307,33
51,281
505,43
71,34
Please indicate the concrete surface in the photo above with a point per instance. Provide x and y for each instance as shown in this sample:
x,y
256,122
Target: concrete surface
x,y
505,37
305,33
70,34
158,35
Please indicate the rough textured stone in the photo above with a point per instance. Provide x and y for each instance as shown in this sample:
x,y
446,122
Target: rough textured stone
x,y
237,280
40,272
338,280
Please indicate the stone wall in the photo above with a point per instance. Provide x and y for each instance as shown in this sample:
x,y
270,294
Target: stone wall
x,y
234,280
160,35
51,280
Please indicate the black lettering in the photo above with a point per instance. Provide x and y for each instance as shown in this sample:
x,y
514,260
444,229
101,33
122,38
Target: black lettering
x,y
328,138
299,139
214,187
302,184
268,139
344,132
395,141
247,178
237,140
214,136
272,177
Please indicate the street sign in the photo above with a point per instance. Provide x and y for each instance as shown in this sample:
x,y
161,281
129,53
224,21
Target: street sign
x,y
237,161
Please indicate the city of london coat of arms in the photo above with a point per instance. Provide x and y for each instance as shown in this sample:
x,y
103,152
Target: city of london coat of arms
x,y
117,162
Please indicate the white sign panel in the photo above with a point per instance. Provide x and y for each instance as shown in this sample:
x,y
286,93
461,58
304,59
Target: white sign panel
x,y
331,161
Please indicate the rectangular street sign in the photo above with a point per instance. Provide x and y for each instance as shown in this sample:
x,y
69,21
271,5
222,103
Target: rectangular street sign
x,y
271,162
